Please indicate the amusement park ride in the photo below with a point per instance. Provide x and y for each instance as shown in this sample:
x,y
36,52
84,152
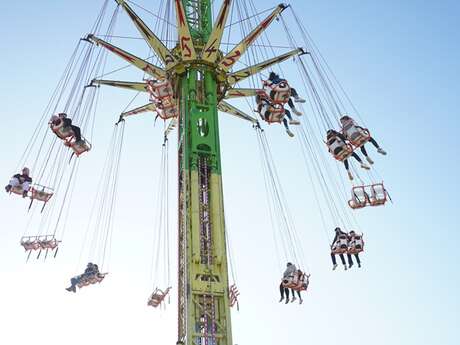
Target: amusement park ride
x,y
188,85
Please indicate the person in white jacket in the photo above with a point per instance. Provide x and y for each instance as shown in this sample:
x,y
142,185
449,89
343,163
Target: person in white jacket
x,y
351,130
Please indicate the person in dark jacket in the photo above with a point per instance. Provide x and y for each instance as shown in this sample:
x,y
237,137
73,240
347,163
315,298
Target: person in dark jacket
x,y
23,180
90,271
336,142
351,238
273,80
67,124
338,232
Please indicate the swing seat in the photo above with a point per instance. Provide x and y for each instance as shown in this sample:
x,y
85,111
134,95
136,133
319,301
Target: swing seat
x,y
297,283
162,94
340,250
276,114
379,195
41,193
262,94
357,137
85,280
155,300
282,92
356,245
17,190
160,89
359,197
302,285
46,242
288,281
371,195
341,245
166,113
345,153
233,294
78,147
62,132
97,278
157,297
166,103
30,245
49,244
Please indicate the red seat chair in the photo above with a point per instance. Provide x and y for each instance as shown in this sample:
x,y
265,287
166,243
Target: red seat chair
x,y
157,297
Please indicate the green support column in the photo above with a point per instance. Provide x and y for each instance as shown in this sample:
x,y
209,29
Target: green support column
x,y
204,311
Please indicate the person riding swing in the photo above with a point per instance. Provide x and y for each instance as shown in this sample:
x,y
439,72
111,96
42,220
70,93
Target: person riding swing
x,y
22,181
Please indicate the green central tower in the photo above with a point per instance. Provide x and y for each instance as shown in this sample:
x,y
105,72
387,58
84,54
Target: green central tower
x,y
203,301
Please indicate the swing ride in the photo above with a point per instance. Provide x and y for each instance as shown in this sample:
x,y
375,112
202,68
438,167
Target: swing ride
x,y
192,75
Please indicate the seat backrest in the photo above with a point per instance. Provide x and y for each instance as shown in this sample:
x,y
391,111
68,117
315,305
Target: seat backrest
x,y
40,195
61,131
168,113
334,143
282,92
17,189
359,195
340,245
356,244
349,127
164,89
160,89
353,133
342,240
346,125
378,193
81,147
276,113
357,240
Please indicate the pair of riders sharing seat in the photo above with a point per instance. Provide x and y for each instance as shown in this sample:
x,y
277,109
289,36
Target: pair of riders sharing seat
x,y
162,96
294,280
62,126
342,144
20,183
271,102
346,243
91,275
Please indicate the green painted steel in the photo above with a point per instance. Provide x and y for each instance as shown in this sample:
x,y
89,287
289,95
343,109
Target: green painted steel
x,y
204,311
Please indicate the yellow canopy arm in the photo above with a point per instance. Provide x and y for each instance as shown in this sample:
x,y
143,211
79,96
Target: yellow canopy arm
x,y
186,45
240,75
211,48
153,41
141,87
230,109
147,67
235,54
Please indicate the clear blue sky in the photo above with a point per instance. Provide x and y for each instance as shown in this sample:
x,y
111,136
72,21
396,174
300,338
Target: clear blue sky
x,y
399,62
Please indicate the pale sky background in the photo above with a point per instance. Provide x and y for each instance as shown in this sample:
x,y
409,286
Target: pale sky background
x,y
399,62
